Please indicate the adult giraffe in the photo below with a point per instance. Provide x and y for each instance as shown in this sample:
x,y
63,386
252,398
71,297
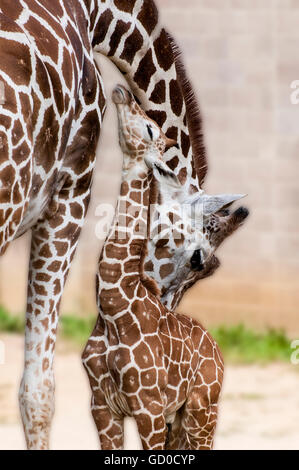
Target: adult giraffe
x,y
52,108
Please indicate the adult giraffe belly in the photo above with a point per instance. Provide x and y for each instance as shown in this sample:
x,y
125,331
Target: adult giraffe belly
x,y
42,197
32,215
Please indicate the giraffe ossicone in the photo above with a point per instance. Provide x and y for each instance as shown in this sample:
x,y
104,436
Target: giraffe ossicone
x,y
142,360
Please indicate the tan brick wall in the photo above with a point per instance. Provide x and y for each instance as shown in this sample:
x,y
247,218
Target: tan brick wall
x,y
242,56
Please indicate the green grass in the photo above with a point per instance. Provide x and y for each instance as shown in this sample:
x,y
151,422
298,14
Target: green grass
x,y
238,343
76,328
241,344
10,323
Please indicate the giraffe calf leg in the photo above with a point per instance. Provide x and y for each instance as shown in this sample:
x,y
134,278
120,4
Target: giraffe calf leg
x,y
152,429
199,418
110,427
174,430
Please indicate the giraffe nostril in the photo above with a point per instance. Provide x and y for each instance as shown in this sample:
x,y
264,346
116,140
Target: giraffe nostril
x,y
197,261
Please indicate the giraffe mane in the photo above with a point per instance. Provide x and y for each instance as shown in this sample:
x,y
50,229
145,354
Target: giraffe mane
x,y
193,115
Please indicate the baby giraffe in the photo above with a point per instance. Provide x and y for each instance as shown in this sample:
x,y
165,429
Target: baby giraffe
x,y
142,360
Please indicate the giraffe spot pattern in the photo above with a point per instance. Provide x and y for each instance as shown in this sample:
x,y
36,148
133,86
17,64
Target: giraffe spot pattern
x,y
176,98
100,34
132,45
125,5
158,95
145,71
148,16
161,363
158,116
120,29
60,70
164,51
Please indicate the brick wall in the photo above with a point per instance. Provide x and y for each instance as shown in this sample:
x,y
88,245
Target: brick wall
x,y
242,56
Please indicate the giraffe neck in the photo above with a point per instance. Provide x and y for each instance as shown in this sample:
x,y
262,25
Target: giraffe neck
x,y
129,34
121,263
172,238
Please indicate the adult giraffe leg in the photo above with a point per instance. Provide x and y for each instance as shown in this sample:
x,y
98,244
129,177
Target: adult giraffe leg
x,y
53,245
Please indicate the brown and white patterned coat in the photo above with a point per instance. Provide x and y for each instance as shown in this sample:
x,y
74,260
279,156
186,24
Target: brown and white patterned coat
x,y
52,105
130,34
50,117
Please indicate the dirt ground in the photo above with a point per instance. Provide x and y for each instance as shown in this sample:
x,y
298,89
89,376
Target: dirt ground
x,y
259,407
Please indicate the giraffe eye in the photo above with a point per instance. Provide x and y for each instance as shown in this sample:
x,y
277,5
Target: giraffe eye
x,y
149,130
197,261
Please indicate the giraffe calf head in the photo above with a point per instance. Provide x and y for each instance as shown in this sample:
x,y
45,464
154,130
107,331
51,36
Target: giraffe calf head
x,y
185,232
140,138
195,259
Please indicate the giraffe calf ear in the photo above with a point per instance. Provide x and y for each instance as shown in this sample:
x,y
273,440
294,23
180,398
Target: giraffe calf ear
x,y
163,172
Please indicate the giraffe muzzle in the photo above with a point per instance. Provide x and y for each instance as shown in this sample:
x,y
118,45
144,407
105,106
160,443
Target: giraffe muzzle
x,y
240,214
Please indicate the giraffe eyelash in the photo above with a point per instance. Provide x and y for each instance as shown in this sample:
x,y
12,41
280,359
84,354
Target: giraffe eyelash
x,y
149,130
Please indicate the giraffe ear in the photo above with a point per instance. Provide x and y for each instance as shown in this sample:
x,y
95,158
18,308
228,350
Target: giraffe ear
x,y
165,175
169,143
213,204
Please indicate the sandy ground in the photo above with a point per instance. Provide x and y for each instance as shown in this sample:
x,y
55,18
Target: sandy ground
x,y
259,407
